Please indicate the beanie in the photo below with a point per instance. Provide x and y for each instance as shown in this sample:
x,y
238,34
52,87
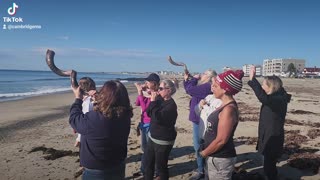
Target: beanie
x,y
231,81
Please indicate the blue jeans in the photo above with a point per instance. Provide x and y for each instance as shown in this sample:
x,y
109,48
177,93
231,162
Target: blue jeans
x,y
115,173
196,145
144,140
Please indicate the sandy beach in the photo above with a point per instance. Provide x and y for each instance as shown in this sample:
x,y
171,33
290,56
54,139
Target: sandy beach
x,y
36,141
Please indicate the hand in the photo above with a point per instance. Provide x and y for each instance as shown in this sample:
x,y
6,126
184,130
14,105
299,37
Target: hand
x,y
139,88
77,92
202,103
153,96
252,73
185,77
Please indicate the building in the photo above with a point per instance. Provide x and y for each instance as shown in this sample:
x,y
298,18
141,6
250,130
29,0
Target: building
x,y
280,66
246,69
311,71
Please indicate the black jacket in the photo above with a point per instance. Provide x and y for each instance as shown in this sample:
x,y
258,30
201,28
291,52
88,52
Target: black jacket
x,y
163,119
272,117
103,140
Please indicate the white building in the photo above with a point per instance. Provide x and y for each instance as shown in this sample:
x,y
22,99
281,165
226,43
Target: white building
x,y
280,66
246,69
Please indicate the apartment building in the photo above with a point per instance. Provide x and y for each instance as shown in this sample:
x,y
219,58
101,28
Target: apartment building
x,y
280,65
246,69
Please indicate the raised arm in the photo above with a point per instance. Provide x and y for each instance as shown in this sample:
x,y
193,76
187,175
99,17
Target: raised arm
x,y
77,119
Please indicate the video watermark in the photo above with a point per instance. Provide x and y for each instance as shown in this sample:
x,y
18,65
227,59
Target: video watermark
x,y
15,23
21,26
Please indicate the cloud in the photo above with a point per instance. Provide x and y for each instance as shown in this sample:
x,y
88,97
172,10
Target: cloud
x,y
63,38
92,52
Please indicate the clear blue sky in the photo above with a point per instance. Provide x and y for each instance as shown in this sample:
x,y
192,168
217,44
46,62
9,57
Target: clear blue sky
x,y
135,35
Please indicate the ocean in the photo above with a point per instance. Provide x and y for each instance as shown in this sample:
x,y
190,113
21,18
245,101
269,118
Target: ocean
x,y
19,84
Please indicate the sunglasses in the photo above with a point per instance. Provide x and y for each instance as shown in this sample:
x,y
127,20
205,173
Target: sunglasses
x,y
162,88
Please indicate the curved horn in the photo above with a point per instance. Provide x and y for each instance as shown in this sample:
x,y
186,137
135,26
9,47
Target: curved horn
x,y
179,64
72,73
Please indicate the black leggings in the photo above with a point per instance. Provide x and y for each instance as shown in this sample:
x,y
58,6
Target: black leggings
x,y
270,167
157,155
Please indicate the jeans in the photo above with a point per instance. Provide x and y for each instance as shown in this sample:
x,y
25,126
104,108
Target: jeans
x,y
157,155
115,173
196,145
144,140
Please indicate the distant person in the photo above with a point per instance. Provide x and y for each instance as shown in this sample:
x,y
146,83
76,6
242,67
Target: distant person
x,y
162,134
273,111
219,149
198,87
104,131
143,100
88,86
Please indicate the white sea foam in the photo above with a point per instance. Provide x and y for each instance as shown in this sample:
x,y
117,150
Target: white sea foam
x,y
41,91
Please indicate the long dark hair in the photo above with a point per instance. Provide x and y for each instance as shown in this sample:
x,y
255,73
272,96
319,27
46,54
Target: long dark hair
x,y
113,100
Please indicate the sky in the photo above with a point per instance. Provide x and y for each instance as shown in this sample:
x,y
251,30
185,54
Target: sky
x,y
138,36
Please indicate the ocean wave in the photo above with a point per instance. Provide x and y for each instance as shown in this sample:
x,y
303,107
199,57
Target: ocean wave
x,y
28,80
35,93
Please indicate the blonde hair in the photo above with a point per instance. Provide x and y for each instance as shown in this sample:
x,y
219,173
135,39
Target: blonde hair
x,y
274,83
210,73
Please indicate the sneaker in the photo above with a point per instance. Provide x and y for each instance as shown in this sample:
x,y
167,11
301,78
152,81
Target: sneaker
x,y
196,175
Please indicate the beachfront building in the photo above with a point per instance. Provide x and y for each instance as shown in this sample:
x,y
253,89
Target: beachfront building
x,y
224,69
280,66
246,69
311,72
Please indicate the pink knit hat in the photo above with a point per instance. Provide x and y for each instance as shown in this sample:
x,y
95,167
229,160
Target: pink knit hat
x,y
231,81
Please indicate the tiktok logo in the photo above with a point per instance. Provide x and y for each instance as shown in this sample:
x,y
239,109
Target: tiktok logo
x,y
12,10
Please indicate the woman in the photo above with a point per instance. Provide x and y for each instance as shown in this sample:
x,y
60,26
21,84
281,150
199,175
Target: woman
x,y
151,85
162,134
104,131
273,111
219,149
198,87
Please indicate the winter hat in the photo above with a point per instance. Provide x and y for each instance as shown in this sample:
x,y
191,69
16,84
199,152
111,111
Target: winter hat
x,y
231,81
153,77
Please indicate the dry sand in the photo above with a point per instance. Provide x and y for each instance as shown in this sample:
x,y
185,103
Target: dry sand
x,y
43,122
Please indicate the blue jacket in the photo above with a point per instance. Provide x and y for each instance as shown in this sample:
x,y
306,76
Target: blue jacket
x,y
197,92
103,141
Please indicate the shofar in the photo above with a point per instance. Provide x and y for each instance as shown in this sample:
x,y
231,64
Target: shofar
x,y
72,73
186,71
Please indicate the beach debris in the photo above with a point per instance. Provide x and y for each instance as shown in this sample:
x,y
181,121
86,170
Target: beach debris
x,y
314,133
293,122
306,100
241,174
295,138
305,161
182,130
248,118
246,140
78,172
292,131
301,112
52,153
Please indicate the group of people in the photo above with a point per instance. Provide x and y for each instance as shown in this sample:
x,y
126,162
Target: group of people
x,y
214,115
103,119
